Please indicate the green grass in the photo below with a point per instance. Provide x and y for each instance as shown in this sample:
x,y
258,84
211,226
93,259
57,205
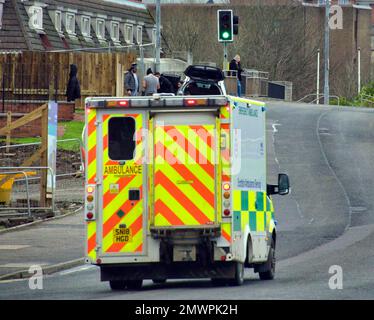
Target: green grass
x,y
73,130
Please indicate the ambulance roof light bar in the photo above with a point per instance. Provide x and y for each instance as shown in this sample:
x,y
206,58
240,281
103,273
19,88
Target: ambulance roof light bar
x,y
159,101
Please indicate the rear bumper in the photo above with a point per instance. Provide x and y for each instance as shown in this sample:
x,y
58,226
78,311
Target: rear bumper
x,y
178,270
177,232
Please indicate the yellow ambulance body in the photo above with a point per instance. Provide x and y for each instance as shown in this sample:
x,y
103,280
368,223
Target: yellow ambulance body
x,y
176,188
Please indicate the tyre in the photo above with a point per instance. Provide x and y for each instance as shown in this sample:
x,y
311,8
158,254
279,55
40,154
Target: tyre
x,y
269,274
116,285
219,282
159,281
238,279
134,284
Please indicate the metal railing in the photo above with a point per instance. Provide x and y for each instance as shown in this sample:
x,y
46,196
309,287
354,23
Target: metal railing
x,y
23,170
60,171
320,96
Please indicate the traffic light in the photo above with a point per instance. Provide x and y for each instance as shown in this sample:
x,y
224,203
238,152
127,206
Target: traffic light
x,y
225,26
236,25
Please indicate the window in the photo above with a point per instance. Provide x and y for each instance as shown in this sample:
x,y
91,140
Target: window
x,y
86,26
70,22
121,132
114,31
139,34
129,33
100,29
58,21
36,17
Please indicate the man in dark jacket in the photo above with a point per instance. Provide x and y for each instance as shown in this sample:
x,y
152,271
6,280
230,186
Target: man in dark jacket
x,y
132,81
235,66
73,90
165,85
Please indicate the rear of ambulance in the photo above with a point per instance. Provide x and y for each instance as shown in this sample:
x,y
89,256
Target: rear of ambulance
x,y
157,202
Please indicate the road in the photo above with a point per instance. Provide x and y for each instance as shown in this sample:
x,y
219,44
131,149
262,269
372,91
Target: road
x,y
327,220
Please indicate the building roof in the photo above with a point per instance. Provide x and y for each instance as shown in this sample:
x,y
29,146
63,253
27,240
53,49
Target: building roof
x,y
17,34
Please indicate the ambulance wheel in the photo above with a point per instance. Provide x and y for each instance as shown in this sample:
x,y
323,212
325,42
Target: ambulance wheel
x,y
269,274
117,285
134,284
238,280
159,281
219,282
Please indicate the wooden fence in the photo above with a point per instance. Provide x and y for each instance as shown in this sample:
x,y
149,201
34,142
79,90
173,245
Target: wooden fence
x,y
44,76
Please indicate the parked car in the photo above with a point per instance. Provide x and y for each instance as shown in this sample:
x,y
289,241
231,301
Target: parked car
x,y
203,80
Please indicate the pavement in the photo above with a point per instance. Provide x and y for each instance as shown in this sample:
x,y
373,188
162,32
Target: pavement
x,y
327,221
47,244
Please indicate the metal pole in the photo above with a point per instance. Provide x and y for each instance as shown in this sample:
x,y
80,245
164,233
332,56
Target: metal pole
x,y
318,66
225,56
158,34
359,70
327,53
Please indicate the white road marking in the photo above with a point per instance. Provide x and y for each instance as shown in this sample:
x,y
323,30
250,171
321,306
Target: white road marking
x,y
13,246
23,264
77,269
274,126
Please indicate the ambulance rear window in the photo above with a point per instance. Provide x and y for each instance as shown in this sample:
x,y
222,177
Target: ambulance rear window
x,y
121,137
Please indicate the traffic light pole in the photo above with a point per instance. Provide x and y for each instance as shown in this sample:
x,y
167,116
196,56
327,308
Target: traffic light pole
x,y
327,54
158,35
225,61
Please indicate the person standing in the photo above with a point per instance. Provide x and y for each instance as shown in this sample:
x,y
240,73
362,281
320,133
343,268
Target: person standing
x,y
132,81
150,83
235,66
73,90
165,85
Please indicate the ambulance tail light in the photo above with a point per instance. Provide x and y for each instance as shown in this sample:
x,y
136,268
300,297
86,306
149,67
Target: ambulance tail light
x,y
90,203
227,212
226,199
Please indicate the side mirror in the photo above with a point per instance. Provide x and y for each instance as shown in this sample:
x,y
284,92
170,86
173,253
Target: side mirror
x,y
283,184
282,188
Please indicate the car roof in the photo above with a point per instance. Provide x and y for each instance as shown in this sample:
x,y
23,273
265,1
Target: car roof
x,y
205,73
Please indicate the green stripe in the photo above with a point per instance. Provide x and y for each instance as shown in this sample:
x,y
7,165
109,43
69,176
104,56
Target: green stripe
x,y
252,220
244,195
237,221
260,201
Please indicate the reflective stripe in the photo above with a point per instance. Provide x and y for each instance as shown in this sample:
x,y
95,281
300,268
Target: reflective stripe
x,y
117,209
184,175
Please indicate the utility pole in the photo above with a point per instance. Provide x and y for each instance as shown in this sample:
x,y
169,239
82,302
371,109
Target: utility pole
x,y
327,53
158,34
318,67
359,70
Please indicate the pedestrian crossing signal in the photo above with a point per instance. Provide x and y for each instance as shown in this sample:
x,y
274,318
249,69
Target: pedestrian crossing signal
x,y
225,26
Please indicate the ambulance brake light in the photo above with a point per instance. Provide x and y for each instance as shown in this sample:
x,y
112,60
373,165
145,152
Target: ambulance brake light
x,y
89,215
123,103
227,212
190,102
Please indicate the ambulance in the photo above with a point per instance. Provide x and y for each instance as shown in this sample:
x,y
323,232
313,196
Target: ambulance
x,y
176,188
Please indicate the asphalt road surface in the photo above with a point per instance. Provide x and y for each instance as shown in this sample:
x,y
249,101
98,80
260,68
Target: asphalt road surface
x,y
325,224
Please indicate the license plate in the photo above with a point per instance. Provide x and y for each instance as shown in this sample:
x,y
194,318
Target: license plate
x,y
122,235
